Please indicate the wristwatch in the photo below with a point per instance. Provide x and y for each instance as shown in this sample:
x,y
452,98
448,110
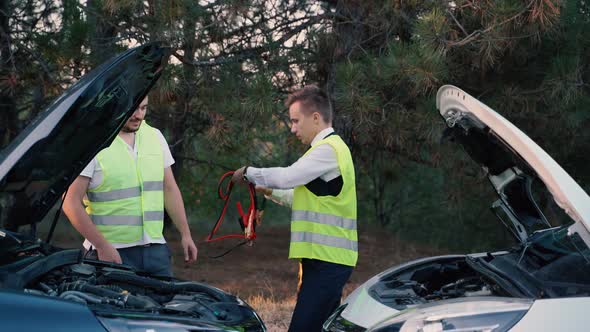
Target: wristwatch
x,y
244,177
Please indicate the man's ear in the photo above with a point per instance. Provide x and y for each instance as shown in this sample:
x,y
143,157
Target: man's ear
x,y
317,118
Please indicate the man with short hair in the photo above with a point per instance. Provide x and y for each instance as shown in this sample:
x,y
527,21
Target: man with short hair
x,y
117,203
320,188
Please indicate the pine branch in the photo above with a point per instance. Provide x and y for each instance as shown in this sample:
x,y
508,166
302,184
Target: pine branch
x,y
457,22
477,33
41,62
207,162
238,56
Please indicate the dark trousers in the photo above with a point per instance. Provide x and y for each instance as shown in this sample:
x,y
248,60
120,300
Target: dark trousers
x,y
320,293
152,258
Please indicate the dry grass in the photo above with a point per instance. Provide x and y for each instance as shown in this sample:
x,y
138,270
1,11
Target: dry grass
x,y
275,313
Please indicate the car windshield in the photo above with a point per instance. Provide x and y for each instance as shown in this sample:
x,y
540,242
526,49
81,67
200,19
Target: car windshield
x,y
559,262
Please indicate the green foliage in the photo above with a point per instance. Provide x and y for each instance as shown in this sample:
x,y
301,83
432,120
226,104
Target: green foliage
x,y
219,102
563,77
436,206
433,30
519,56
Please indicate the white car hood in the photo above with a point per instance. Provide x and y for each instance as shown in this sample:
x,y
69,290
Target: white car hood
x,y
452,101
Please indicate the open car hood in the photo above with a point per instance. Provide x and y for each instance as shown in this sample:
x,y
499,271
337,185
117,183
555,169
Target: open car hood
x,y
39,165
512,162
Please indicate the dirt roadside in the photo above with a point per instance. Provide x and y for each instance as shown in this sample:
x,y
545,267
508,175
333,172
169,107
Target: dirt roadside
x,y
264,277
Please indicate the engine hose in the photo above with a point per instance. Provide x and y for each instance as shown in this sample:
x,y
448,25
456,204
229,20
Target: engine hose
x,y
48,289
112,287
164,286
34,291
74,298
190,286
127,299
84,296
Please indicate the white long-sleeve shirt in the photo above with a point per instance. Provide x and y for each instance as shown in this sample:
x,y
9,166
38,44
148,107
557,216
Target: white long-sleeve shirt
x,y
320,162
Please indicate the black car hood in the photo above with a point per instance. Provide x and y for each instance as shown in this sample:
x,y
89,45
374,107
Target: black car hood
x,y
512,162
39,165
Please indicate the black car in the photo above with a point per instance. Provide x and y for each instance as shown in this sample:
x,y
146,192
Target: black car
x,y
48,288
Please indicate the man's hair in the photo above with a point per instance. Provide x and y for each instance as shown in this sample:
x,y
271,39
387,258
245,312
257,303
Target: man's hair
x,y
312,99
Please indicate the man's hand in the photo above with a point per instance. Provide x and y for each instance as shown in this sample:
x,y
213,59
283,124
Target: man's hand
x,y
174,205
109,254
190,249
265,190
238,176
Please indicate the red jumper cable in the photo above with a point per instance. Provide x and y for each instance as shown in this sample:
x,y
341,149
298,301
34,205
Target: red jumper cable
x,y
247,221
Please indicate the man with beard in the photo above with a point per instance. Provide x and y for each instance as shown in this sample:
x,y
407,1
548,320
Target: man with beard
x,y
117,203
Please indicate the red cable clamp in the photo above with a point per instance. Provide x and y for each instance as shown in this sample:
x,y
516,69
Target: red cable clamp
x,y
247,220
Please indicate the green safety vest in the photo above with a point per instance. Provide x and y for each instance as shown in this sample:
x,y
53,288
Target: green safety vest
x,y
324,227
130,198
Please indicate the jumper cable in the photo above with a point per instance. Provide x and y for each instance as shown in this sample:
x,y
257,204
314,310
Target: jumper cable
x,y
248,220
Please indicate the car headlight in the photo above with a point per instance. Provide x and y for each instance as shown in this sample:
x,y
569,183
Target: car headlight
x,y
337,323
476,314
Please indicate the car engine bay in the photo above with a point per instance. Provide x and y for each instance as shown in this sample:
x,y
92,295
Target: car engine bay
x,y
118,291
435,281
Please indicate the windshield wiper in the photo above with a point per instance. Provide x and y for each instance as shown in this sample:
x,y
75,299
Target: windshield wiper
x,y
526,246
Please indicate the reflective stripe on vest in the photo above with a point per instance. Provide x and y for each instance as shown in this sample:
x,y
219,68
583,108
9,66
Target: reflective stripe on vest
x,y
130,198
323,218
327,240
114,195
127,220
325,227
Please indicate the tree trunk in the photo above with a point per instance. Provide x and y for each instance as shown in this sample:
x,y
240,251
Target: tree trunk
x,y
187,85
349,33
102,33
8,75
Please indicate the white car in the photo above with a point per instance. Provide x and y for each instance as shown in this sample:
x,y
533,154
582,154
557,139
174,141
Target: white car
x,y
543,284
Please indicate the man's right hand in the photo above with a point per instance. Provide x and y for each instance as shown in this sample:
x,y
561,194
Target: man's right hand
x,y
265,190
109,254
74,210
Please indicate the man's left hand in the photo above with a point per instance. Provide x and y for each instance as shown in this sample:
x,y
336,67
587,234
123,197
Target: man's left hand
x,y
238,176
190,249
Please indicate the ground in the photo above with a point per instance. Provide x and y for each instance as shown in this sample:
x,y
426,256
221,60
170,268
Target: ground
x,y
264,277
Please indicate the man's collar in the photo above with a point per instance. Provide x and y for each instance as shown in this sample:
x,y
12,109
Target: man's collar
x,y
320,136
